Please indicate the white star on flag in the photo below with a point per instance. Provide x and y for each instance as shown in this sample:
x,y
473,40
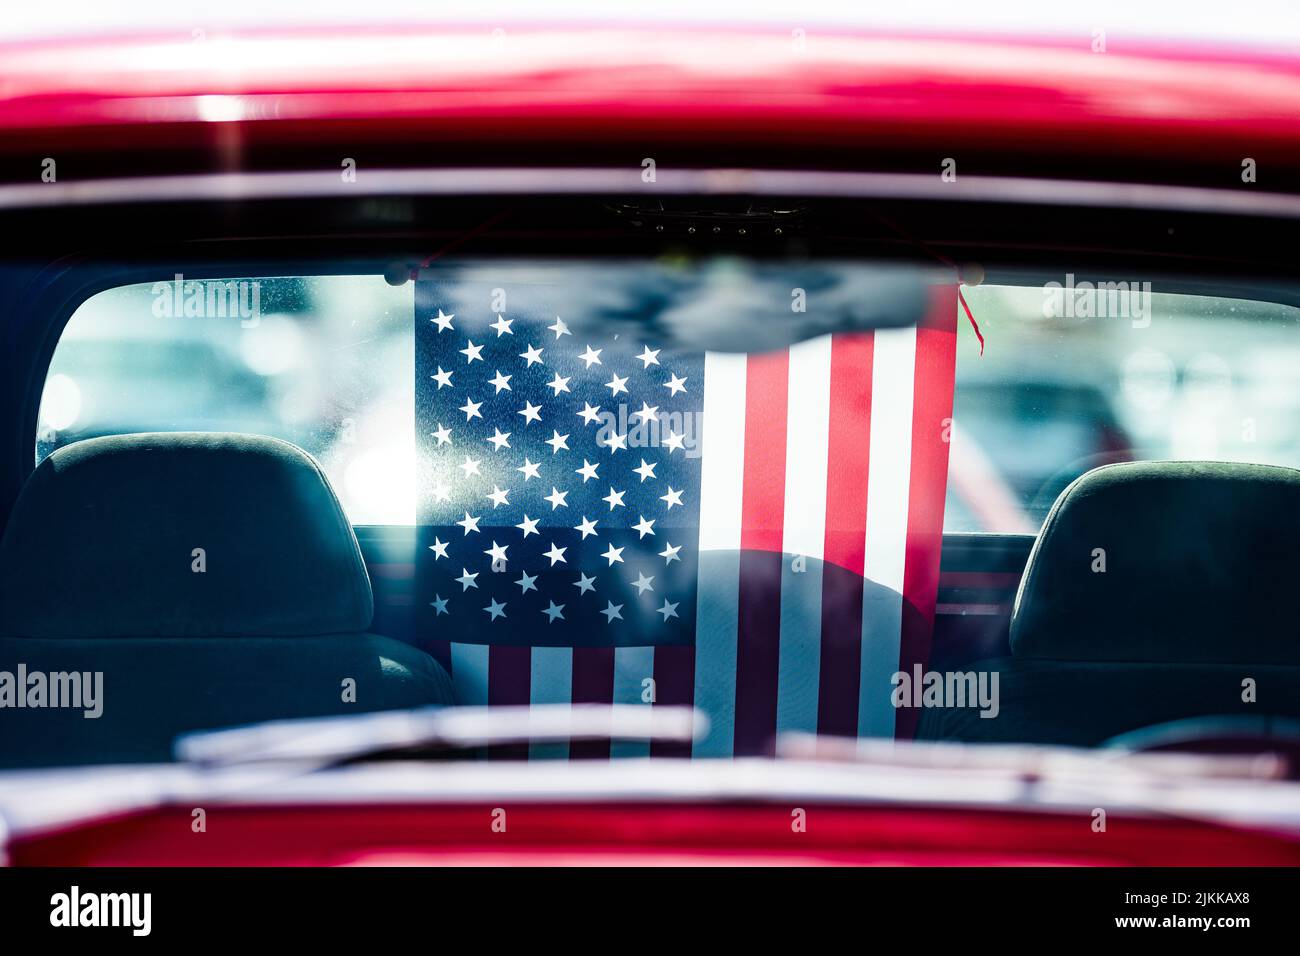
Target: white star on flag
x,y
472,354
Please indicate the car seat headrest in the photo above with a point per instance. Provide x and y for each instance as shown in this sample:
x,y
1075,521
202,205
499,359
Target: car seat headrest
x,y
180,535
1166,561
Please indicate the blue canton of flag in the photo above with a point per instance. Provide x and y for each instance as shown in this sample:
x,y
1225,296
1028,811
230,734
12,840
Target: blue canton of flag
x,y
560,475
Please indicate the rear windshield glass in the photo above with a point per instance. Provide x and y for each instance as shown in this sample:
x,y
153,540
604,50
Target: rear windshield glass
x,y
1071,377
324,362
1075,376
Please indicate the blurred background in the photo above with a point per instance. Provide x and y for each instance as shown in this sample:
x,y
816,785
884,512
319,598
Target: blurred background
x,y
1194,377
327,363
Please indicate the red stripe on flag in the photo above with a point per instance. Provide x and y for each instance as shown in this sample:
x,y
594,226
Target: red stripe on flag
x,y
441,651
674,685
846,528
593,683
509,684
762,510
758,634
936,354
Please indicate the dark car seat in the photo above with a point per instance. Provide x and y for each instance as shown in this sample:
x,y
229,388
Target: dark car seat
x,y
212,579
1156,591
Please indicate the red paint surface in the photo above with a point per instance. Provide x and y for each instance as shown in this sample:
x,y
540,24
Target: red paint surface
x,y
643,834
626,88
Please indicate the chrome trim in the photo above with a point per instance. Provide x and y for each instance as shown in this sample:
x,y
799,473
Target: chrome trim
x,y
247,186
1070,781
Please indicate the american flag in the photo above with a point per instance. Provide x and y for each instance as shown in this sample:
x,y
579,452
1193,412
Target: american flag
x,y
581,541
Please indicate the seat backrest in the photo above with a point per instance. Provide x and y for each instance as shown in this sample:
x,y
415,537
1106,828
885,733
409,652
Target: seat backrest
x,y
1189,562
187,534
156,584
1156,591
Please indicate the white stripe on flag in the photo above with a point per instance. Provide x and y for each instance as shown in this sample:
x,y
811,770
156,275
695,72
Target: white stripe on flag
x,y
892,388
550,682
632,667
717,607
807,441
469,673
